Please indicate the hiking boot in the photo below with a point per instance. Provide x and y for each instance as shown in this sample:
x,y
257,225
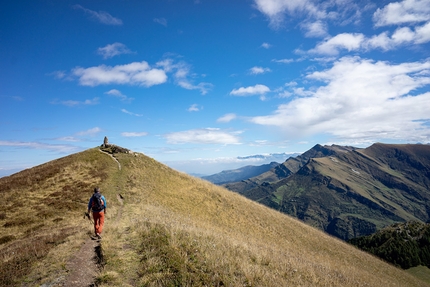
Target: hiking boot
x,y
99,236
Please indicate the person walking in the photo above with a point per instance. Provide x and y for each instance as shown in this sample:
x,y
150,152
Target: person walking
x,y
97,205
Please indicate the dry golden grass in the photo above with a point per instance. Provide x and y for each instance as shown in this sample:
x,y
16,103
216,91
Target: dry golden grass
x,y
175,230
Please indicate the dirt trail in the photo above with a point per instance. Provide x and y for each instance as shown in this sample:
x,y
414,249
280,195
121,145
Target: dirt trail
x,y
84,267
86,264
119,165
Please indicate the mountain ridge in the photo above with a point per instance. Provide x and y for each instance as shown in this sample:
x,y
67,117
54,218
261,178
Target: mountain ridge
x,y
170,229
242,173
347,191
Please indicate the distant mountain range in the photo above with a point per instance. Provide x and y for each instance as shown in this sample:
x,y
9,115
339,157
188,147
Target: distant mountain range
x,y
347,191
248,171
242,173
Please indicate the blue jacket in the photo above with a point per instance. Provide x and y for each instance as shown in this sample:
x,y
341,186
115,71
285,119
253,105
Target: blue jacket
x,y
90,204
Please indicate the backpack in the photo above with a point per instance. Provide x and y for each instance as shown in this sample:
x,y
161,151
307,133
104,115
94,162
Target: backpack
x,y
97,203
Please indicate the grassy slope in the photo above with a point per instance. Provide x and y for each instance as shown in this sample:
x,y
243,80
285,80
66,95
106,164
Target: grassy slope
x,y
175,230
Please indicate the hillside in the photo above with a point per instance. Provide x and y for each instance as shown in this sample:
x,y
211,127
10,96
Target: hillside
x,y
165,228
403,244
239,174
350,192
287,168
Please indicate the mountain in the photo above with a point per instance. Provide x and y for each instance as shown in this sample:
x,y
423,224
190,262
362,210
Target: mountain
x,y
163,228
242,173
290,166
346,191
403,244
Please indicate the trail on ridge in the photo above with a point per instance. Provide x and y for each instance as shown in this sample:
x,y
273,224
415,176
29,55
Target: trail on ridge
x,y
87,263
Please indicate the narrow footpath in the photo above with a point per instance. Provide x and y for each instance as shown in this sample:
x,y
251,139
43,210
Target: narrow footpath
x,y
86,264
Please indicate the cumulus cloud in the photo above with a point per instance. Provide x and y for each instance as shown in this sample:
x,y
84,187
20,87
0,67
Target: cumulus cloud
x,y
407,11
112,50
384,41
133,134
136,73
275,10
203,136
101,16
194,108
226,118
250,91
258,70
344,41
315,14
181,74
362,100
142,74
315,29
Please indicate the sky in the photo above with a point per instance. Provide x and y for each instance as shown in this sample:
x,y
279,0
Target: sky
x,y
202,85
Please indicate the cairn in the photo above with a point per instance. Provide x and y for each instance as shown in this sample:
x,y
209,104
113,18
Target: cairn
x,y
111,148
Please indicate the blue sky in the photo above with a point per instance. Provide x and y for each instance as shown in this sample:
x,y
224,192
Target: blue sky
x,y
197,84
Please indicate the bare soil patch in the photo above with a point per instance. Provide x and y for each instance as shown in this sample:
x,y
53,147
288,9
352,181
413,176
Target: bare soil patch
x,y
84,265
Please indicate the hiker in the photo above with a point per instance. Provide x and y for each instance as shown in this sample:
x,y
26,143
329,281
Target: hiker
x,y
97,205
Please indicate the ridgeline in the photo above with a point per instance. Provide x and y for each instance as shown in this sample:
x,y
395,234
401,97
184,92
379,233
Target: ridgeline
x,y
165,228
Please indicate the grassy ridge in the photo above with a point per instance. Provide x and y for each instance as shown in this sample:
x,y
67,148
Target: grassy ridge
x,y
171,229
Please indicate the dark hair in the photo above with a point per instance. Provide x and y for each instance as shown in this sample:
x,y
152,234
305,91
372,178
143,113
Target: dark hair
x,y
96,189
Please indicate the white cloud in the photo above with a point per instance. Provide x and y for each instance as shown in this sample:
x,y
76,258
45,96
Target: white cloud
x,y
266,45
227,118
250,91
194,108
407,11
134,134
74,103
68,139
202,87
315,29
362,100
161,21
130,113
358,42
422,34
118,94
283,61
401,36
58,74
136,73
203,136
258,70
101,16
40,146
91,132
181,75
344,41
112,50
275,10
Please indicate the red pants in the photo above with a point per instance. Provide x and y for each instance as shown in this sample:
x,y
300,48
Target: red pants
x,y
99,220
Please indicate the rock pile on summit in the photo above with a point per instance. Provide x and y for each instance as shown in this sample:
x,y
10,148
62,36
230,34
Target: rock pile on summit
x,y
111,148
